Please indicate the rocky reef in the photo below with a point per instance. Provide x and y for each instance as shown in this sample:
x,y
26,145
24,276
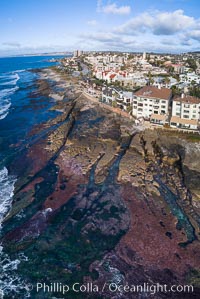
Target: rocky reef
x,y
98,200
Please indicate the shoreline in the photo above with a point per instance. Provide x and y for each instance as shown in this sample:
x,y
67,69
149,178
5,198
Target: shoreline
x,y
90,179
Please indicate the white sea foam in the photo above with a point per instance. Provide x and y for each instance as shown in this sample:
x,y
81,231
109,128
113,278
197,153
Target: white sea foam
x,y
4,93
6,192
5,101
9,281
12,80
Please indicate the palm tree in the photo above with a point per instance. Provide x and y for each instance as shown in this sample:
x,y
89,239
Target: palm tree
x,y
167,80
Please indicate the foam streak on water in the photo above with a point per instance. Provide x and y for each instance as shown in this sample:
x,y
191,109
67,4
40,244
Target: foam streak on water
x,y
6,192
10,283
8,80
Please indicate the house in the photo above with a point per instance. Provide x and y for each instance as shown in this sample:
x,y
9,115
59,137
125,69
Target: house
x,y
185,112
190,78
109,95
125,100
122,99
178,68
150,101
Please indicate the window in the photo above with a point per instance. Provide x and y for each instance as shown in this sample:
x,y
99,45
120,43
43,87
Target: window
x,y
178,114
194,116
186,111
163,106
140,109
185,116
163,102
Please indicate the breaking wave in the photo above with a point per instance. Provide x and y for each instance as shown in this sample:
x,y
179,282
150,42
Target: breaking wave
x,y
10,283
9,79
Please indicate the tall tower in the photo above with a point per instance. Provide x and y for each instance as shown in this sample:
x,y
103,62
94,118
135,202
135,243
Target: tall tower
x,y
144,56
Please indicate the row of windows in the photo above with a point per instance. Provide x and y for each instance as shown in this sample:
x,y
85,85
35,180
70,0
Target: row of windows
x,y
187,105
150,100
150,105
150,110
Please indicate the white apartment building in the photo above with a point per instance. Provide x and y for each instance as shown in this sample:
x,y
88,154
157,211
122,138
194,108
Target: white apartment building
x,y
189,78
185,112
152,103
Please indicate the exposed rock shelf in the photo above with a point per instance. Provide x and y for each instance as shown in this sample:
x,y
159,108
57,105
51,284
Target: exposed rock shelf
x,y
97,194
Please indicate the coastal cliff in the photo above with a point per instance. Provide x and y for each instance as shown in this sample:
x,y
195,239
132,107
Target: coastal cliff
x,y
99,200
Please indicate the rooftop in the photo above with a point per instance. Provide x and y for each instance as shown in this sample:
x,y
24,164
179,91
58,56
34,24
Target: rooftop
x,y
176,119
187,99
158,117
154,92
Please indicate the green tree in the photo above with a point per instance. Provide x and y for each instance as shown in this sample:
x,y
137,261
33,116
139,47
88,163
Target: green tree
x,y
114,104
192,63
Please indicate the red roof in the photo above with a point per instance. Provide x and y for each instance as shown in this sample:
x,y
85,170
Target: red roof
x,y
112,76
187,99
154,92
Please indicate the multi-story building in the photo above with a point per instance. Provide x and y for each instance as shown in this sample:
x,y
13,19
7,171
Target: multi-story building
x,y
190,78
78,53
109,95
122,99
178,68
125,100
185,112
152,103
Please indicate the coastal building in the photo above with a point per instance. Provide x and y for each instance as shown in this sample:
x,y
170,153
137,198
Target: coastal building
x,y
78,53
117,98
109,95
152,103
185,112
190,78
178,68
125,100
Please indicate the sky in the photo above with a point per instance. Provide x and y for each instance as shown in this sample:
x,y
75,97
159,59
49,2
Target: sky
x,y
37,26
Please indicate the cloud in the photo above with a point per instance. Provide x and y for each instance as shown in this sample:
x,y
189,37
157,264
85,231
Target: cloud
x,y
195,34
92,22
158,23
101,37
11,44
112,8
159,31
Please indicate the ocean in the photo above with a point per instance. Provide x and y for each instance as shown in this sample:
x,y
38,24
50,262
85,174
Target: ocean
x,y
20,111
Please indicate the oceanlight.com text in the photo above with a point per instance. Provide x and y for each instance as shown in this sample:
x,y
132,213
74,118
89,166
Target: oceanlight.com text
x,y
113,288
